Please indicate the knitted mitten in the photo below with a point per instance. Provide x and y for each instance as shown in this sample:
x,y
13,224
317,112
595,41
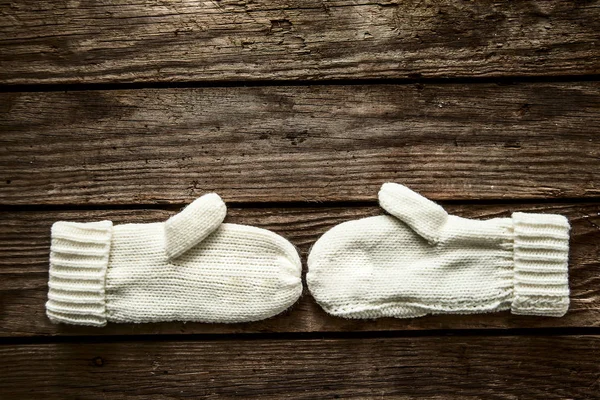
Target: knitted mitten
x,y
189,268
423,261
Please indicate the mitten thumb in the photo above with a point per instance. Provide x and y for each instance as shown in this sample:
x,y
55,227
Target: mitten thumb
x,y
193,224
424,216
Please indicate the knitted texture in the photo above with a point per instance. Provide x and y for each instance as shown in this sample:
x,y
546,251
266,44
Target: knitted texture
x,y
192,225
78,262
420,261
127,273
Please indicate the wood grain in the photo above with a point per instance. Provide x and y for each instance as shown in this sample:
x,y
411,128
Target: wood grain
x,y
531,367
24,248
86,41
291,143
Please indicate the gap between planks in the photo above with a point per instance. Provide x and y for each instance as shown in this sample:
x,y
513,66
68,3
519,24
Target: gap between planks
x,y
501,80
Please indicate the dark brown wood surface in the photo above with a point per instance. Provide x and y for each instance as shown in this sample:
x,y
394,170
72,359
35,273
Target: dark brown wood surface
x,y
296,112
496,367
314,143
24,248
87,41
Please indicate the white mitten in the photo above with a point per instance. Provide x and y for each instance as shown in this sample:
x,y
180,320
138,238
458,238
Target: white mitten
x,y
423,261
192,267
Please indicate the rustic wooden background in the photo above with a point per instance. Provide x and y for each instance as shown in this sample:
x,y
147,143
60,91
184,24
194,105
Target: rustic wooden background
x,y
296,112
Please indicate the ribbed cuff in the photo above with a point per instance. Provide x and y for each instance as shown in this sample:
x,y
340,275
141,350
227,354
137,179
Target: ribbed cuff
x,y
78,260
541,260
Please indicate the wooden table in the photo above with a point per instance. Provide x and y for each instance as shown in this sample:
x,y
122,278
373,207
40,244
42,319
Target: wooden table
x,y
296,112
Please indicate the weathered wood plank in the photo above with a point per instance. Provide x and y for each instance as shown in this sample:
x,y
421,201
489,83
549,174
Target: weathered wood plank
x,y
87,41
24,247
300,143
532,367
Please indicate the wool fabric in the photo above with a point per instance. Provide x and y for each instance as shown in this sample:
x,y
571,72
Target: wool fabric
x,y
420,260
191,268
